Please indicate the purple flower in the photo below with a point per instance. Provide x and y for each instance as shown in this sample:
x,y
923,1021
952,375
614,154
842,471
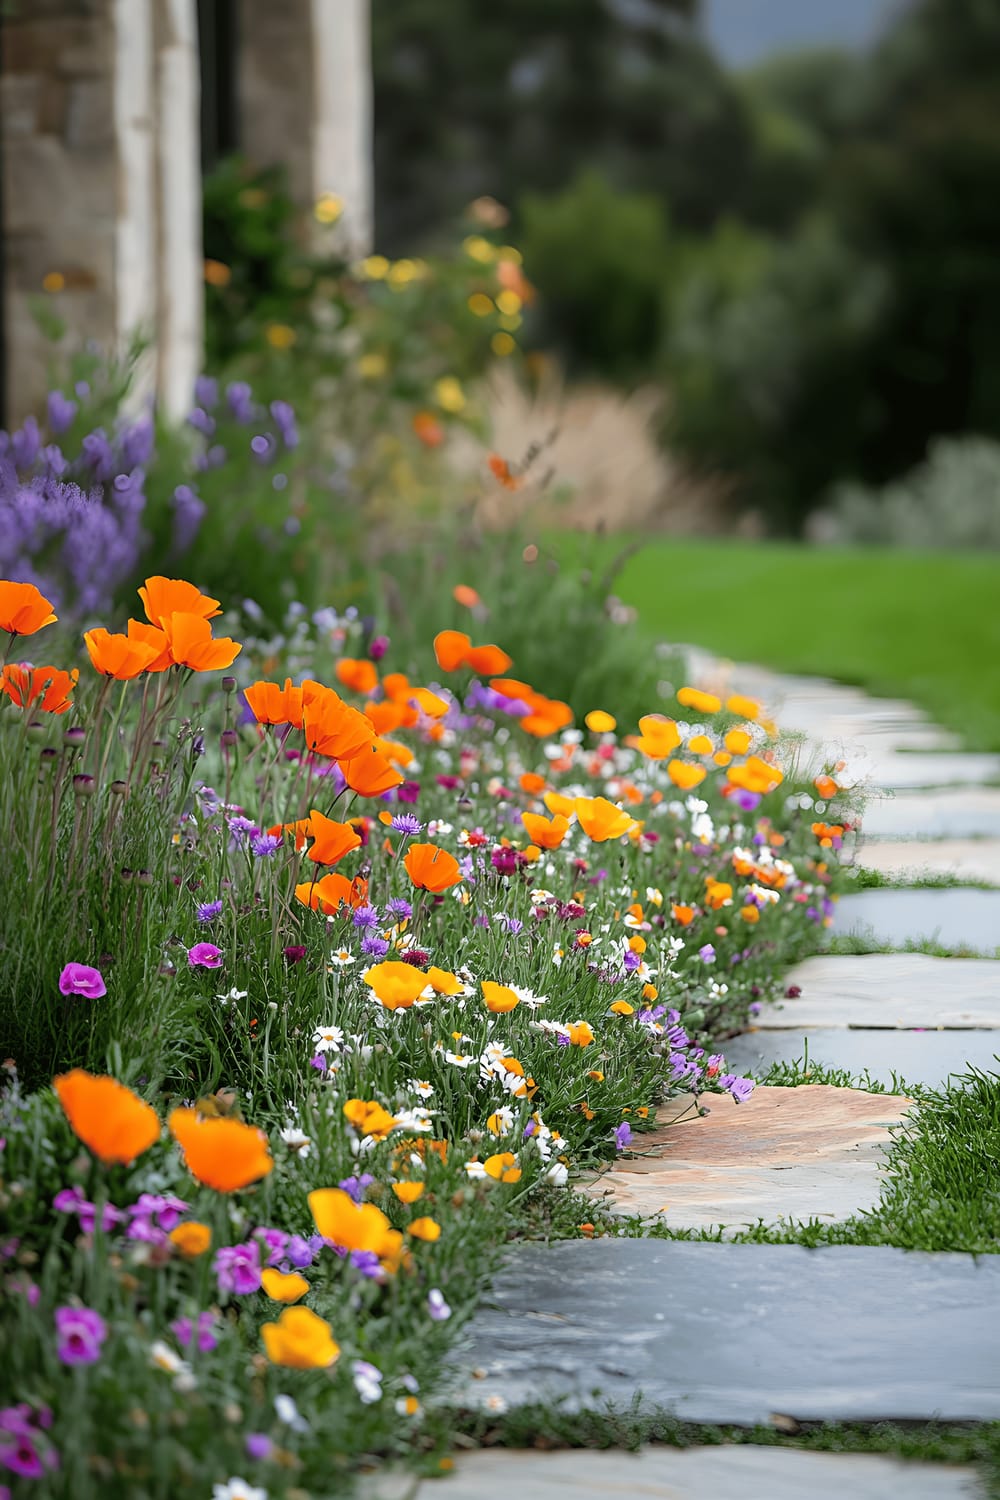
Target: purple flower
x,y
740,1088
237,1268
284,420
398,906
80,1332
275,1242
374,947
199,419
406,823
153,1215
207,911
205,956
81,979
622,1135
61,412
206,391
184,1332
378,647
514,925
73,1201
263,447
258,1445
355,1186
409,791
437,1308
189,512
367,1262
365,916
239,400
298,1252
264,845
631,961
707,954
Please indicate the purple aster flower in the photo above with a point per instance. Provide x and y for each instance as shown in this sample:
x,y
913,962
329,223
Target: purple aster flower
x,y
81,979
206,391
80,1332
184,1331
275,1242
400,908
367,1262
239,399
740,1088
707,954
482,920
366,916
205,956
318,1062
61,412
631,961
406,823
746,801
374,947
258,1445
284,420
237,1268
622,1135
298,1252
437,1308
207,911
73,1201
514,925
355,1186
264,845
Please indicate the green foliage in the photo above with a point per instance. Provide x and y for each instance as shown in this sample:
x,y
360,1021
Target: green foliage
x,y
600,258
952,500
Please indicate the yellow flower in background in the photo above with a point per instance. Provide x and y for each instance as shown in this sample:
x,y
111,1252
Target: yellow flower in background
x,y
622,1008
499,997
301,1340
408,1192
600,722
374,267
480,304
280,336
503,1167
685,776
580,1034
191,1239
510,321
737,742
372,366
53,281
425,1229
403,272
509,303
448,394
328,208
702,703
745,708
477,248
502,344
217,273
509,252
282,1287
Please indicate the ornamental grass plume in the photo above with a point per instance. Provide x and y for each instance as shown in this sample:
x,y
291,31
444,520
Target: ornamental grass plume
x,y
301,1340
113,1122
222,1154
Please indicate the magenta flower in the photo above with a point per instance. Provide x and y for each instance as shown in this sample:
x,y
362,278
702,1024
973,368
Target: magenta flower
x,y
81,979
237,1268
205,956
183,1330
81,1332
22,1449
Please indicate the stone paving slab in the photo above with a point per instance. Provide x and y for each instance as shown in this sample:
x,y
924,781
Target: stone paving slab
x,y
910,859
736,1333
688,1474
905,771
889,990
956,812
785,1154
960,917
915,1057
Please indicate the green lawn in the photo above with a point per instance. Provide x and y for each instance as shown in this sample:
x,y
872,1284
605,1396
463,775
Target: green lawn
x,y
915,625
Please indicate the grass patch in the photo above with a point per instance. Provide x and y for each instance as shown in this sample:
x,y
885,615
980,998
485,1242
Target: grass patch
x,y
881,627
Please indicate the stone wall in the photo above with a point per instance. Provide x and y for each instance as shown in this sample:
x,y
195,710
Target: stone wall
x,y
99,101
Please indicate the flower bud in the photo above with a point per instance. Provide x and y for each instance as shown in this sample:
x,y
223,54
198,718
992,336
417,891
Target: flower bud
x,y
118,788
76,735
228,738
84,785
229,684
145,877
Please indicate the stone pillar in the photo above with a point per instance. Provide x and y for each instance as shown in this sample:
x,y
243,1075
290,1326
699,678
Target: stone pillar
x,y
94,209
305,103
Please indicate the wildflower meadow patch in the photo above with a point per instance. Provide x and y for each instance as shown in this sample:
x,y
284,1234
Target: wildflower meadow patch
x,y
314,979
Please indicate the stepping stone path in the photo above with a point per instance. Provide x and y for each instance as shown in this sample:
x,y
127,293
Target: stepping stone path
x,y
741,1334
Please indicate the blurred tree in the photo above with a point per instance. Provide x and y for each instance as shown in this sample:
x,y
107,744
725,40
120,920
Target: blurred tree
x,y
504,100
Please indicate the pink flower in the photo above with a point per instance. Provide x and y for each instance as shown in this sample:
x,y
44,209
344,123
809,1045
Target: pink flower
x,y
81,979
205,956
81,1333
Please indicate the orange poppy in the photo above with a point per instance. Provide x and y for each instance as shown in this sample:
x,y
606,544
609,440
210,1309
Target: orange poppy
x,y
388,715
332,727
532,783
328,894
301,1340
408,1192
331,840
24,608
369,1118
359,675
118,656
271,704
600,722
193,645
826,786
116,1124
548,715
602,820
46,688
463,594
428,429
151,635
431,868
163,597
394,984
442,982
355,1226
718,893
657,736
425,1229
283,1286
191,1238
370,773
702,703
454,649
682,914
580,1034
756,775
546,833
223,1154
559,805
486,660
499,998
685,776
700,744
745,708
